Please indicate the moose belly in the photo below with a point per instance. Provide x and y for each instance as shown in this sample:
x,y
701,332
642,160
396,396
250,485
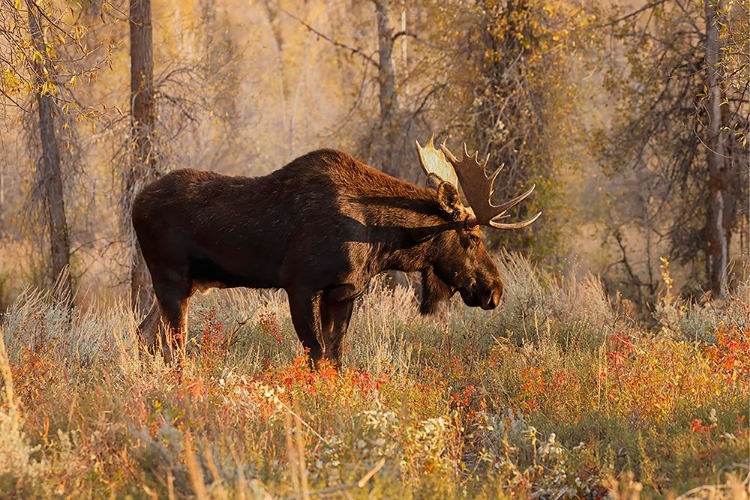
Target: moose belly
x,y
229,273
204,287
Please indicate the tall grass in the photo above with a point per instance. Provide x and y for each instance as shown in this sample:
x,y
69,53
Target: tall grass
x,y
557,393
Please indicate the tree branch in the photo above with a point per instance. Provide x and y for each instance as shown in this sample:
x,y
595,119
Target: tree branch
x,y
646,7
353,50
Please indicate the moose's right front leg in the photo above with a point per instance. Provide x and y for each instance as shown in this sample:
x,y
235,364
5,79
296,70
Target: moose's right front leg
x,y
305,308
336,316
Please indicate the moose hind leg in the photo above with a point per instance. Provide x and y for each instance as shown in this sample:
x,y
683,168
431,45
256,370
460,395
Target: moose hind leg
x,y
149,327
174,329
173,297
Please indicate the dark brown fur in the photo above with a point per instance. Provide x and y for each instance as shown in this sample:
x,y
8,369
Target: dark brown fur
x,y
320,228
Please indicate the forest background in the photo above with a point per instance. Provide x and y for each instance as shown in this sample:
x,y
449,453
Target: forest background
x,y
630,118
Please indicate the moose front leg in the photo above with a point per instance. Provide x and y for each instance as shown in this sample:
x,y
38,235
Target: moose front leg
x,y
336,316
304,306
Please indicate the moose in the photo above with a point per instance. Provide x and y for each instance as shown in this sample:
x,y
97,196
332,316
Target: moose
x,y
320,228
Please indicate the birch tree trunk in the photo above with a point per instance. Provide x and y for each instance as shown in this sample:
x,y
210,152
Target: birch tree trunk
x,y
143,159
721,201
51,174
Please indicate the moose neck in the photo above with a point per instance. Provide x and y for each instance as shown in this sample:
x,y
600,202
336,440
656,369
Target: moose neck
x,y
407,259
400,220
404,230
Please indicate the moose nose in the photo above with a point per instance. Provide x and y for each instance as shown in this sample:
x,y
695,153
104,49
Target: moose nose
x,y
492,301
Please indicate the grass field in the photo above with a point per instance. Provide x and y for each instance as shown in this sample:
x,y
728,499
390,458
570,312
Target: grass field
x,y
556,394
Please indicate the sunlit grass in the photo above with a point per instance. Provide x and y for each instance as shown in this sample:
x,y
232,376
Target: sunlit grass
x,y
555,393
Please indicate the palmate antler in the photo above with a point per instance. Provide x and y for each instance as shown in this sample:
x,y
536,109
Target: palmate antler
x,y
477,187
433,162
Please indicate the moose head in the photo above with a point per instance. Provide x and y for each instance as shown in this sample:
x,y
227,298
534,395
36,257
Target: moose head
x,y
481,285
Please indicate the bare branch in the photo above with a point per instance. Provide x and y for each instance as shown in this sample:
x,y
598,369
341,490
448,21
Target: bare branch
x,y
646,7
15,103
353,50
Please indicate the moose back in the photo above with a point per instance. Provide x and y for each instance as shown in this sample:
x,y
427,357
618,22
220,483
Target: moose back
x,y
320,228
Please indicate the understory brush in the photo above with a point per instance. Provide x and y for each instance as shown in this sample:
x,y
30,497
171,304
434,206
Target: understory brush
x,y
556,394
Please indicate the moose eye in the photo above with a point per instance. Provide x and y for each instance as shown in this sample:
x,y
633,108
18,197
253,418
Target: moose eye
x,y
475,239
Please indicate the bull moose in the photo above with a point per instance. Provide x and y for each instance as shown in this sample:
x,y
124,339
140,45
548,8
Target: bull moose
x,y
320,228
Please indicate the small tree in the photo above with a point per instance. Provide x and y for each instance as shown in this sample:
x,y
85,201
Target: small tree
x,y
516,74
51,173
386,131
677,141
45,57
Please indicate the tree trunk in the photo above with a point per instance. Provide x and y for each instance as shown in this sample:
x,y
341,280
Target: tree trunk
x,y
720,201
385,144
143,160
51,174
2,198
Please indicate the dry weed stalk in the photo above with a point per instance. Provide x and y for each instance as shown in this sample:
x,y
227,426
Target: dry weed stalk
x,y
194,469
5,370
295,448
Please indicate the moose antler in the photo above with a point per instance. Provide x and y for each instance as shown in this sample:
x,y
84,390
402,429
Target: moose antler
x,y
434,163
477,187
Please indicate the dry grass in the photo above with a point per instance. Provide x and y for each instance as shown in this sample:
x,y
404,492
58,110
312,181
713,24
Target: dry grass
x,y
556,394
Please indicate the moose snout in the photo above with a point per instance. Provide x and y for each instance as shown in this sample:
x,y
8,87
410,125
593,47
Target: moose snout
x,y
492,300
484,295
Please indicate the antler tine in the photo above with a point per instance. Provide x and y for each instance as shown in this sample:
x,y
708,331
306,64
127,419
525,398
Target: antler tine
x,y
514,225
512,203
478,189
483,165
475,156
492,179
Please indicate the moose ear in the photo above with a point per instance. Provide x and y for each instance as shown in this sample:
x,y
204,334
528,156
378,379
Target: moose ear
x,y
450,200
433,181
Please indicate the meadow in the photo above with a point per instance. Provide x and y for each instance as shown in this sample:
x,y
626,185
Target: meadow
x,y
559,393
